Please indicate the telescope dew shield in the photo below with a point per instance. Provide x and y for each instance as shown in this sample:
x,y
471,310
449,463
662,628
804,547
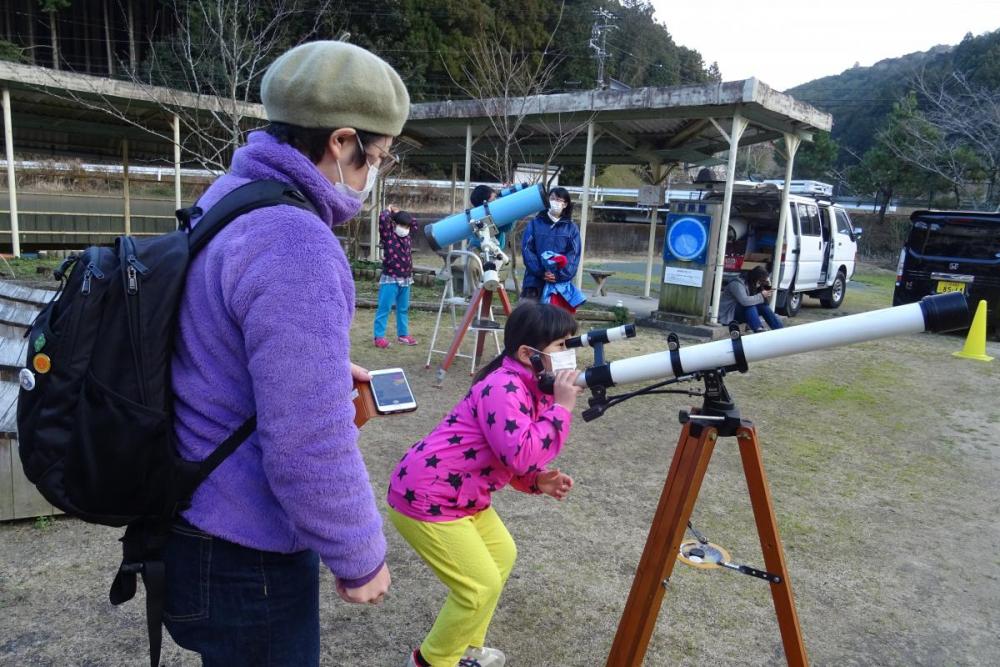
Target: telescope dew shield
x,y
937,313
515,203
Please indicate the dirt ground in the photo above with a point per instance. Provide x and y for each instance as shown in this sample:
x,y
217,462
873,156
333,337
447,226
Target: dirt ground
x,y
883,461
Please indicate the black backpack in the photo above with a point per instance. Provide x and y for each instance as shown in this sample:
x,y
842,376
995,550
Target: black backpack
x,y
94,414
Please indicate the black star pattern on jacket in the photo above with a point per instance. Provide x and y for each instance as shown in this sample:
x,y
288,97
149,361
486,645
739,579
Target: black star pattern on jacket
x,y
451,420
486,390
491,419
402,472
435,510
455,480
470,505
557,424
546,442
510,387
469,453
410,496
523,408
455,440
486,472
511,425
432,461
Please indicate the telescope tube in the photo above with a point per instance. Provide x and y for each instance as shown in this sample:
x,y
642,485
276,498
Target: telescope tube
x,y
515,203
937,313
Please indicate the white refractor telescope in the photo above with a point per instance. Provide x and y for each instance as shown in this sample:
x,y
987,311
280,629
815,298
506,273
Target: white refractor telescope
x,y
938,313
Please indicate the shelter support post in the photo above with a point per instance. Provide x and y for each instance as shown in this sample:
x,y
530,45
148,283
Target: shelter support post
x,y
739,125
177,161
454,187
657,171
792,143
8,136
126,194
373,238
585,204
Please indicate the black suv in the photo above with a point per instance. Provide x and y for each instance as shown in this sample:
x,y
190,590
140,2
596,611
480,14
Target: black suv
x,y
952,251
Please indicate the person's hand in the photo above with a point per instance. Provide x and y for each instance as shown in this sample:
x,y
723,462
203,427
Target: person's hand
x,y
393,209
766,294
554,483
360,374
565,389
371,593
550,277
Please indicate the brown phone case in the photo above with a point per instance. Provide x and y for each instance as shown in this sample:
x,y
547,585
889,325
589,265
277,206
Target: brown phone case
x,y
364,403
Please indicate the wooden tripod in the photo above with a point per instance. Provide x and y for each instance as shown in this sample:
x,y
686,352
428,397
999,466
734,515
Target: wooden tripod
x,y
481,301
687,470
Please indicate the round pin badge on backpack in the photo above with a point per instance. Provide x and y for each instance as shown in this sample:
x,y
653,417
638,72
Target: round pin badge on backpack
x,y
42,363
26,379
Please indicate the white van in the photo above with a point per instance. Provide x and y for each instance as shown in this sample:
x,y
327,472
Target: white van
x,y
819,248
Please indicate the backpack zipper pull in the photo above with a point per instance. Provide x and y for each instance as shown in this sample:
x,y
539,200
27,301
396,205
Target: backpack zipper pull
x,y
91,272
133,283
134,262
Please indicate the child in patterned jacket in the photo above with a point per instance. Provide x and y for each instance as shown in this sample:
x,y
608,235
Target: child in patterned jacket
x,y
505,431
394,228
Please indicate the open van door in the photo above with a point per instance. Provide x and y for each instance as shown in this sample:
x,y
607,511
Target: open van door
x,y
812,248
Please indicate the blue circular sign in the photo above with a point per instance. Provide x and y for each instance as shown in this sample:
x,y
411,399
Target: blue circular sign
x,y
687,238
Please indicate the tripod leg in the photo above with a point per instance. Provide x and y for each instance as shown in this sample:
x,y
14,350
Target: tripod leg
x,y
687,470
770,544
484,314
504,299
456,342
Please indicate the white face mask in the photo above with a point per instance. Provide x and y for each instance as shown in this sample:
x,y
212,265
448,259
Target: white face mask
x,y
370,179
402,231
556,207
563,360
362,194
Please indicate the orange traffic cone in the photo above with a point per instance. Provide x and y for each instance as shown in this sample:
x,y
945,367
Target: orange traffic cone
x,y
975,343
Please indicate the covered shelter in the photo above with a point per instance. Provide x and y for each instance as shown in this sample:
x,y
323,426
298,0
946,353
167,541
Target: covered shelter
x,y
67,115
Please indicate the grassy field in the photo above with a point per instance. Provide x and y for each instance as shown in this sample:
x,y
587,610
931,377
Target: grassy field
x,y
883,461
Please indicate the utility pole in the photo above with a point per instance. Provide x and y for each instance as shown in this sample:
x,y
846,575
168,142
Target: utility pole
x,y
599,42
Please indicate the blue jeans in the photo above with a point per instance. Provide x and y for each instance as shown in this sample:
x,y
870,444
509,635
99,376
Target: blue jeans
x,y
240,606
751,315
390,294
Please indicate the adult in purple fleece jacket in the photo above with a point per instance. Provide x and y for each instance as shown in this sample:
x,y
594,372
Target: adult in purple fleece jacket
x,y
265,329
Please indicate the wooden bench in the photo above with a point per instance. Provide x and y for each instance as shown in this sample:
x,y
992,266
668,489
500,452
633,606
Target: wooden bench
x,y
600,277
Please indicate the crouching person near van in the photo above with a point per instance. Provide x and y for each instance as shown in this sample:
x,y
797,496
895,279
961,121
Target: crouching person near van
x,y
745,300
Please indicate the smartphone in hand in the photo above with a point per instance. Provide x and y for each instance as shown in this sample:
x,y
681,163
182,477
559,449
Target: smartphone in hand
x,y
391,391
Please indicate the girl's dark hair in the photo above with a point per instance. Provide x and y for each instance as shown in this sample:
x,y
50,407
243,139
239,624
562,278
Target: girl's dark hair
x,y
480,194
533,324
311,141
563,194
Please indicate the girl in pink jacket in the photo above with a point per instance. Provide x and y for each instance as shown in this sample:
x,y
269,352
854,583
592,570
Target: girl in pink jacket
x,y
505,431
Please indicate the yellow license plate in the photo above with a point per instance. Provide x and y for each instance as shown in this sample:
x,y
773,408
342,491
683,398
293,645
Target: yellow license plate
x,y
948,286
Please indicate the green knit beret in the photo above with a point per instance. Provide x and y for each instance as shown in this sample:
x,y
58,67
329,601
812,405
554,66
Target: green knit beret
x,y
332,84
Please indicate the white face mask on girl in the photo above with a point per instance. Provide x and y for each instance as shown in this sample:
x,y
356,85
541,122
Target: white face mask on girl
x,y
402,231
556,207
370,179
563,360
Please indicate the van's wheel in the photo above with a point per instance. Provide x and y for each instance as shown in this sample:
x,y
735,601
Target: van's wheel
x,y
793,301
834,295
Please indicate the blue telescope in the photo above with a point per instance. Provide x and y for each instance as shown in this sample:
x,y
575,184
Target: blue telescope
x,y
513,204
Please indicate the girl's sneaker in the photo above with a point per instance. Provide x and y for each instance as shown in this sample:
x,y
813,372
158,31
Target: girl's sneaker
x,y
381,343
406,340
482,657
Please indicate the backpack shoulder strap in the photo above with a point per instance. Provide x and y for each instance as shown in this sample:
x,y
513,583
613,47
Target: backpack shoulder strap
x,y
248,197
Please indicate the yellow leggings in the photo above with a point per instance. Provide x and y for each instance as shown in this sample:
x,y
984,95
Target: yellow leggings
x,y
472,557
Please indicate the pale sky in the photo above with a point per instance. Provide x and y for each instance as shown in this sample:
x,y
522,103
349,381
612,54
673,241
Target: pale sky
x,y
785,43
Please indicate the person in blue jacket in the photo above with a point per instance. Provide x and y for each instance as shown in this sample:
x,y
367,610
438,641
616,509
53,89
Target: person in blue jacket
x,y
552,230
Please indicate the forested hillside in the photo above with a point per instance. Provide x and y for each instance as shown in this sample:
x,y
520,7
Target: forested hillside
x,y
861,98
